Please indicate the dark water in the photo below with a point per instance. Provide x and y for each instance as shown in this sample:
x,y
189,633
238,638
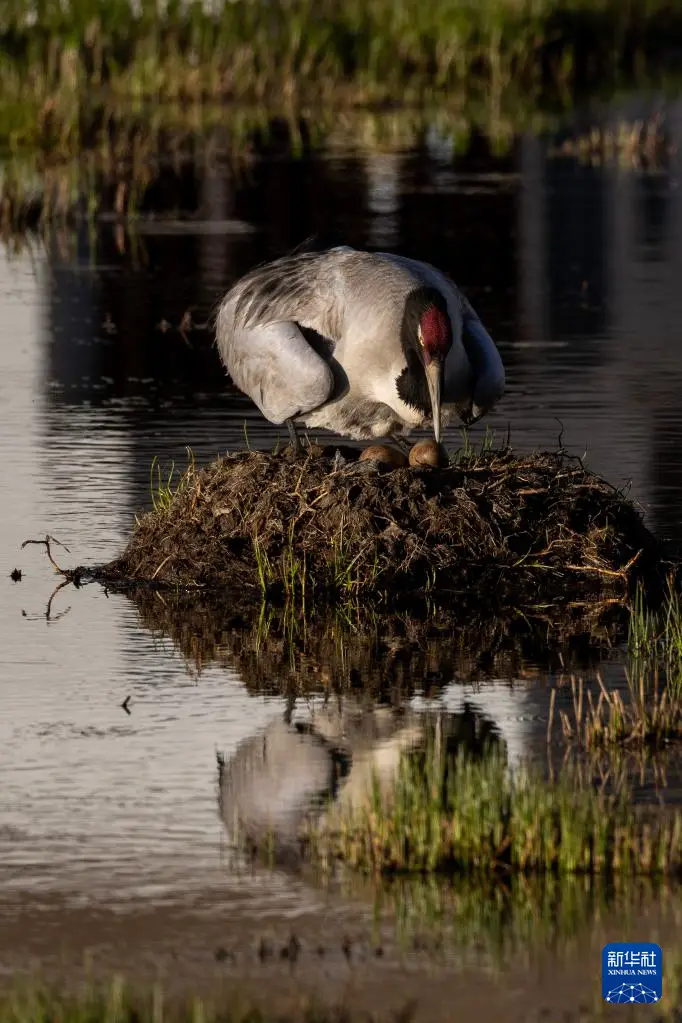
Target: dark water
x,y
576,269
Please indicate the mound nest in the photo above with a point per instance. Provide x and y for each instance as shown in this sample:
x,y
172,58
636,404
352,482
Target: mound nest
x,y
326,524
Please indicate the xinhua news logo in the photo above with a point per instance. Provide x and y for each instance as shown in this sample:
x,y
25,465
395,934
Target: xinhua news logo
x,y
631,972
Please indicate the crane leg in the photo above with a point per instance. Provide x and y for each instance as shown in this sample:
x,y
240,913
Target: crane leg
x,y
402,444
295,439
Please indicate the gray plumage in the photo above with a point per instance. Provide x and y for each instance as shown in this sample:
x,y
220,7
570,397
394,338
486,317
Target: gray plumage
x,y
316,338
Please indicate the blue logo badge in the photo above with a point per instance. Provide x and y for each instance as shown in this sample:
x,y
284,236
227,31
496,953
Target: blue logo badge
x,y
631,972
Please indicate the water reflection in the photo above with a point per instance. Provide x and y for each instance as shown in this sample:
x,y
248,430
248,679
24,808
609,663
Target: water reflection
x,y
488,669
334,750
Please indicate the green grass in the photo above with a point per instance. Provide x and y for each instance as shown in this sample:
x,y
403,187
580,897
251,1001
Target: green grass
x,y
162,488
649,712
645,713
457,813
655,638
117,1002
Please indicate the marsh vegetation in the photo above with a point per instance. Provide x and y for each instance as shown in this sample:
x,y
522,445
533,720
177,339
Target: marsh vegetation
x,y
118,1001
94,95
366,51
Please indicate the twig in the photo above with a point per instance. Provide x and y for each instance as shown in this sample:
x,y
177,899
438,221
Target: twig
x,y
167,558
617,574
46,543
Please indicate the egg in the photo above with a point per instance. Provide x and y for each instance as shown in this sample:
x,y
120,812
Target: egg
x,y
427,452
381,453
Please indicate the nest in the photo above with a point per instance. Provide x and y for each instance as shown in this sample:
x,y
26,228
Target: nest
x,y
326,525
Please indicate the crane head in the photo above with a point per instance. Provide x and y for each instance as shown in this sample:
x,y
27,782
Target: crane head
x,y
434,334
426,339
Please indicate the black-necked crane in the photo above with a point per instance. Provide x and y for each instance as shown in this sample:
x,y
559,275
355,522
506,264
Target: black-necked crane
x,y
365,344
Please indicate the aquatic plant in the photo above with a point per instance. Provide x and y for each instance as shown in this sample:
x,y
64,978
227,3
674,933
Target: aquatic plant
x,y
646,712
654,642
649,714
466,814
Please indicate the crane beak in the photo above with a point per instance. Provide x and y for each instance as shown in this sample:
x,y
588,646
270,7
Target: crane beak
x,y
434,375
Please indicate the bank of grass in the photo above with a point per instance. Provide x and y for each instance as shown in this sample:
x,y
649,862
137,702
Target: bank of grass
x,y
119,1002
370,50
472,815
95,90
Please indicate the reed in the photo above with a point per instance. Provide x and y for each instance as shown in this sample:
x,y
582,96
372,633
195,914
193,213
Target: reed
x,y
646,714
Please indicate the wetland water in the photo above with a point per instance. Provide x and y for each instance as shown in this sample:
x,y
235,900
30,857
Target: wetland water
x,y
110,834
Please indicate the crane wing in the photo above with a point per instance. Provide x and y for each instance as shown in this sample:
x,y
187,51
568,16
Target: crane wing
x,y
278,369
